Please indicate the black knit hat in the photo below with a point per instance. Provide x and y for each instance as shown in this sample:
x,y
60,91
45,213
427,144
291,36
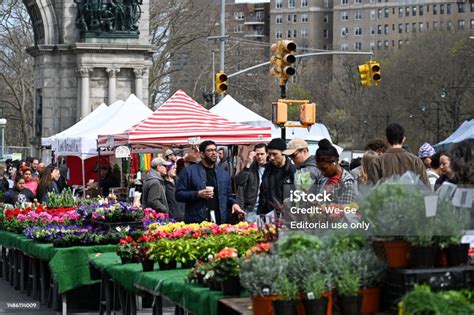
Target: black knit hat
x,y
277,144
326,152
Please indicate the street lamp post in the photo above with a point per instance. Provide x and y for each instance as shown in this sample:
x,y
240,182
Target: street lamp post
x,y
3,123
424,109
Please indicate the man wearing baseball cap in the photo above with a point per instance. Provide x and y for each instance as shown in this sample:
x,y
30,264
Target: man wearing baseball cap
x,y
154,195
170,155
305,164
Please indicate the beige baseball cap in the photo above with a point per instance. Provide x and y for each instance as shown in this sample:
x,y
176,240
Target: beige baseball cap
x,y
294,145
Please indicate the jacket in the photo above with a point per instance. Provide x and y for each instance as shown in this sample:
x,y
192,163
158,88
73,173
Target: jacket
x,y
154,195
396,161
176,208
193,179
13,196
248,183
309,166
276,185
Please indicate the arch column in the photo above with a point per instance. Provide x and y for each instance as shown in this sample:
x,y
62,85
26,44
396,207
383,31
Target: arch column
x,y
112,84
84,73
139,72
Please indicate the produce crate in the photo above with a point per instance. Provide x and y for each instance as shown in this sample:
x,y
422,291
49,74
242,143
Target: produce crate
x,y
401,281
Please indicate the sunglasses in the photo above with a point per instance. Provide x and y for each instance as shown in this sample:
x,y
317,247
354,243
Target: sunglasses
x,y
295,154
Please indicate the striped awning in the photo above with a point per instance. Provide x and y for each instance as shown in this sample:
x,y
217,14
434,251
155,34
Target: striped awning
x,y
182,121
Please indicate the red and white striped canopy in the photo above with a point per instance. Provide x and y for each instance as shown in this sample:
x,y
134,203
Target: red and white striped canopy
x,y
181,121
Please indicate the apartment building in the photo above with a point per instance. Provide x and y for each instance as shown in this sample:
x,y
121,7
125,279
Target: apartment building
x,y
248,20
307,22
378,25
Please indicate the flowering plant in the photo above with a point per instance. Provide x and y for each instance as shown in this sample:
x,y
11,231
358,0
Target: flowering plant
x,y
143,247
259,249
226,264
127,247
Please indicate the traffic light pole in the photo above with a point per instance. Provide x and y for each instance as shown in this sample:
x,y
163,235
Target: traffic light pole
x,y
283,96
222,40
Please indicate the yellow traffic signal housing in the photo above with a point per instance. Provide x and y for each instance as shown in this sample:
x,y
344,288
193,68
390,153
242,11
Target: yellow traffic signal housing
x,y
308,114
375,72
279,113
221,82
364,74
287,51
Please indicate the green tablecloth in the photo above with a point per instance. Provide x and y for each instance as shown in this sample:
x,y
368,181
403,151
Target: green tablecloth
x,y
69,266
169,283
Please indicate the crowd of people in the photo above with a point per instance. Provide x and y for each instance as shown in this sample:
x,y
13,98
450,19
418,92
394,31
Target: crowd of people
x,y
201,185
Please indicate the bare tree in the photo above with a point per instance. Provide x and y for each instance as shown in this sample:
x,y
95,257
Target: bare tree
x,y
16,72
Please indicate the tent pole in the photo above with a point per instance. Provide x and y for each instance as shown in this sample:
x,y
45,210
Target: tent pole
x,y
83,179
98,169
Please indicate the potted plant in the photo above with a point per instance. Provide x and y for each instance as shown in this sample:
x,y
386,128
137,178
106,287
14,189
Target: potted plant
x,y
186,252
226,269
296,242
316,286
288,291
371,270
126,249
258,275
348,284
163,251
143,252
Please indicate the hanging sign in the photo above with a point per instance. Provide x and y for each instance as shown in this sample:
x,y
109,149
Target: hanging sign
x,y
122,152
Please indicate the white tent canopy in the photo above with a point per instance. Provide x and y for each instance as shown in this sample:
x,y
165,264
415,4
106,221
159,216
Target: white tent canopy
x,y
229,108
465,131
82,140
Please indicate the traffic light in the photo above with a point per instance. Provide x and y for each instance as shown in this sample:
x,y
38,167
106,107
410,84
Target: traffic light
x,y
308,114
279,113
375,71
287,51
364,73
282,60
221,82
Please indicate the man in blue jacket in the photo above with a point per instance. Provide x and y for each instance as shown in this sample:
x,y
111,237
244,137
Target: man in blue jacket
x,y
202,203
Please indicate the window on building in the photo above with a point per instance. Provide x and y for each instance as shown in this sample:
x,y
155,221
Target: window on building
x,y
379,13
421,10
407,28
295,18
304,33
372,30
379,44
288,18
358,15
435,25
386,13
372,46
357,1
239,15
420,26
400,43
472,24
278,34
304,18
441,25
357,31
386,29
461,7
386,44
407,11
461,24
279,4
304,3
326,19
413,11
400,12
371,1
448,8
427,8
291,3
472,6
449,25
358,46
344,16
379,29
400,28
344,31
435,9
288,34
393,11
279,19
413,27
372,14
326,3
325,33
441,9
295,33
344,46
344,2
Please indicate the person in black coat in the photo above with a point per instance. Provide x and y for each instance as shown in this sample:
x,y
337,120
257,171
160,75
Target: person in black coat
x,y
19,193
176,209
107,180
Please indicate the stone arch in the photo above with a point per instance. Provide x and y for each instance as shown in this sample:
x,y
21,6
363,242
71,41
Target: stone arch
x,y
45,23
